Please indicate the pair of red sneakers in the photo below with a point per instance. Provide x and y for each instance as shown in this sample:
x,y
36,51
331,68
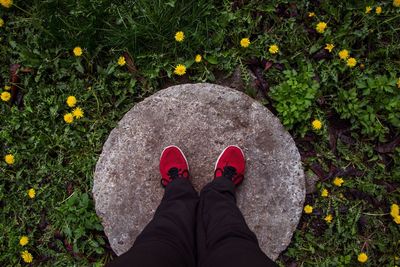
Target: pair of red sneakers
x,y
230,164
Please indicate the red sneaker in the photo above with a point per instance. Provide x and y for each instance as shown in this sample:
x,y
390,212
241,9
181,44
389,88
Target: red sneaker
x,y
173,164
231,164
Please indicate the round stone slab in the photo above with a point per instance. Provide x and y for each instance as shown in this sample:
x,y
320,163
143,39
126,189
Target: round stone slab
x,y
202,119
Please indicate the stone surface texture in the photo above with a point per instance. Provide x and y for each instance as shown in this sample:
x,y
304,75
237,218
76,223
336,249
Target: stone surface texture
x,y
311,180
202,119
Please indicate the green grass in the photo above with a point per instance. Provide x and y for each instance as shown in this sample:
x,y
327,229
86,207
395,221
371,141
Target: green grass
x,y
359,109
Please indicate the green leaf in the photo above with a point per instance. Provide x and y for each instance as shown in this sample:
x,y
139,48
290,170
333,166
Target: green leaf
x,y
211,59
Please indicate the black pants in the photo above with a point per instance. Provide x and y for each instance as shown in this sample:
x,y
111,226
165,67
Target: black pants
x,y
189,231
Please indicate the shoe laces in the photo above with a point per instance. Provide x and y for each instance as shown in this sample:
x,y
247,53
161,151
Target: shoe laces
x,y
173,173
229,172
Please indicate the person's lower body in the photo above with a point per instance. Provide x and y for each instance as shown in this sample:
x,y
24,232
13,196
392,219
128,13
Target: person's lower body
x,y
188,232
223,237
169,239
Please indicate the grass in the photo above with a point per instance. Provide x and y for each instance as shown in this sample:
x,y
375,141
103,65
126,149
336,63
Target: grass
x,y
358,107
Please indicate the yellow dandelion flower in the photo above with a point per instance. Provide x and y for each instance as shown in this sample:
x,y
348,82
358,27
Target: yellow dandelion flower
x,y
316,124
245,42
397,219
71,101
180,70
198,58
351,62
26,256
24,240
308,209
179,36
338,181
394,210
5,96
68,118
9,159
328,218
121,61
31,193
321,27
398,83
344,54
396,3
329,47
77,51
6,3
311,14
324,192
368,9
7,87
1,22
378,10
273,49
78,113
362,257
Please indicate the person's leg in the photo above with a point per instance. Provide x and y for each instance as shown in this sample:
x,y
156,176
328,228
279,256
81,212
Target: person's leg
x,y
224,239
169,239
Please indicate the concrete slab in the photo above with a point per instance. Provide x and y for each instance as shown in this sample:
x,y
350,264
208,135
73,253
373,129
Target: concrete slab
x,y
202,119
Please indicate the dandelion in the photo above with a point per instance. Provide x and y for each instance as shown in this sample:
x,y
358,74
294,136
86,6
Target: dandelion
x,y
394,210
7,87
344,54
77,51
71,101
78,113
398,83
324,192
121,61
378,10
5,96
180,70
316,124
1,22
273,49
396,3
329,47
6,3
26,256
179,36
397,219
311,14
362,257
198,58
68,118
368,9
328,218
308,209
245,42
338,181
9,159
31,193
23,240
351,62
321,27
